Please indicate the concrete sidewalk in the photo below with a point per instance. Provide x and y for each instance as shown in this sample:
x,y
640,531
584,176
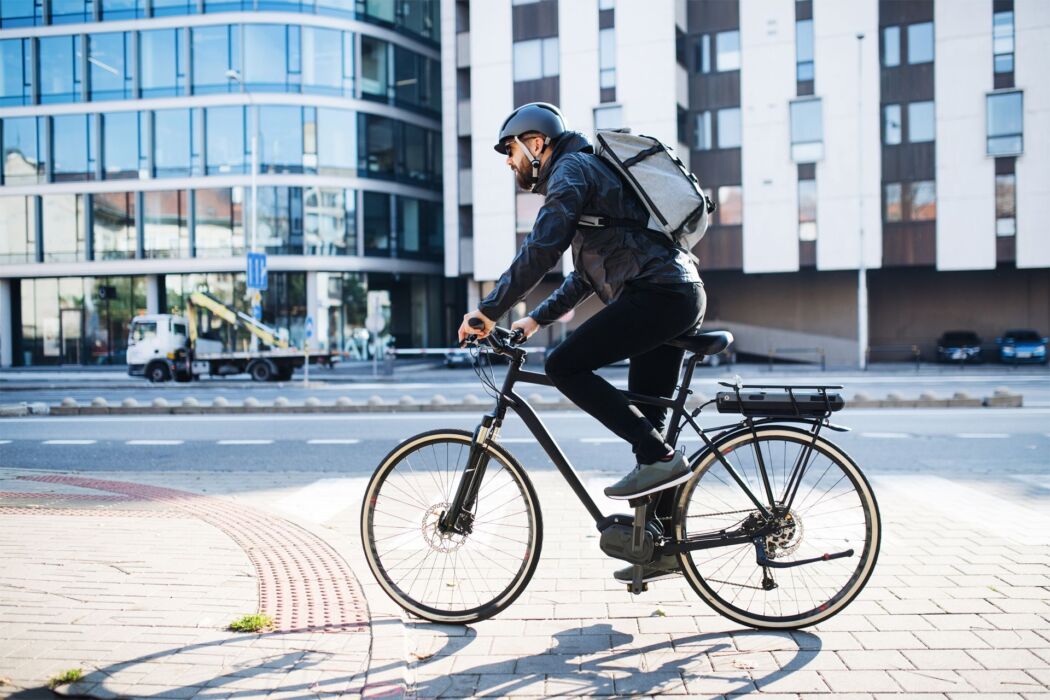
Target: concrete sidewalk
x,y
133,577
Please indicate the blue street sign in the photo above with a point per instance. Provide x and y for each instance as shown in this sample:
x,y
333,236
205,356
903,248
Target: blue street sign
x,y
257,271
257,312
309,326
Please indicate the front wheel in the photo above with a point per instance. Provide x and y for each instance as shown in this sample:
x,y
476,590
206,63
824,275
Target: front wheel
x,y
833,511
444,576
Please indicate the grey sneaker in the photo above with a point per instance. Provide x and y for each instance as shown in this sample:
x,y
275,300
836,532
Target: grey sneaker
x,y
664,567
650,478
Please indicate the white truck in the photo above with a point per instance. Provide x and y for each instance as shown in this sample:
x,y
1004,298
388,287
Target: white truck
x,y
162,347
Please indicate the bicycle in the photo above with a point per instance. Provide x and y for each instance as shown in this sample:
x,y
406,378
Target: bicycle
x,y
776,529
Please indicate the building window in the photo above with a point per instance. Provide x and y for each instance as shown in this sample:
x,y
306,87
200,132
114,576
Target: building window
x,y
329,221
891,124
894,207
1005,205
219,222
164,224
160,62
280,139
336,142
807,210
727,48
922,201
327,69
527,208
70,11
920,122
120,145
535,59
729,128
730,205
60,78
374,70
807,141
23,157
16,72
1005,124
920,43
171,138
891,46
1003,41
123,9
215,51
702,140
377,223
17,229
109,60
113,214
224,138
606,58
804,50
271,56
74,147
63,227
25,13
703,54
608,117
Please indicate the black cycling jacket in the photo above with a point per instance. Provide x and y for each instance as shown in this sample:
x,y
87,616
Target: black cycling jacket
x,y
577,182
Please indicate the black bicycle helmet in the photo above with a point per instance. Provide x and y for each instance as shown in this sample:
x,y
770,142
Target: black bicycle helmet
x,y
540,117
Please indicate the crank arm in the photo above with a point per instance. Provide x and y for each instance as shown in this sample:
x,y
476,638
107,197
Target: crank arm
x,y
762,560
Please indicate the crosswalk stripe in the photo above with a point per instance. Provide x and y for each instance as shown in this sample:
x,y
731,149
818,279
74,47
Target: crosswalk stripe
x,y
333,441
245,442
154,442
69,442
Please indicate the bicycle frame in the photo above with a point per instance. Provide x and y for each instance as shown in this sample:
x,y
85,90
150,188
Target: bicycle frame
x,y
458,517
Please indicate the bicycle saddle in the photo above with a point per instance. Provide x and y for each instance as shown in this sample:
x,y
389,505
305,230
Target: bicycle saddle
x,y
700,343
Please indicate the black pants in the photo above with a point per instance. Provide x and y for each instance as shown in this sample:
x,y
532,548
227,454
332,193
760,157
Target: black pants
x,y
635,326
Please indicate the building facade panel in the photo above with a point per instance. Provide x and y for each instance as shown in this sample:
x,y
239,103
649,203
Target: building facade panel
x,y
492,90
767,86
847,82
965,187
645,67
1032,19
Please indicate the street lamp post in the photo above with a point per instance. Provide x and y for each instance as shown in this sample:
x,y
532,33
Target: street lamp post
x,y
862,271
235,75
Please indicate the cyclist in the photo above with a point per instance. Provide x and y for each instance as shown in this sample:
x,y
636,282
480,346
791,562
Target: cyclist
x,y
651,289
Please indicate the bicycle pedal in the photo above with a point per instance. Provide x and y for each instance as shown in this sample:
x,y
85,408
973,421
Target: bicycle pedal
x,y
643,589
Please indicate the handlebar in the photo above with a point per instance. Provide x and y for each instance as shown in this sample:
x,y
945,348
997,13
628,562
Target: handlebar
x,y
500,339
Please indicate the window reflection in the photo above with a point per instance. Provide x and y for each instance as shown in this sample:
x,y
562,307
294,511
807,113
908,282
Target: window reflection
x,y
374,67
216,50
160,61
73,138
63,227
21,13
729,128
108,61
120,142
920,122
1005,205
336,142
280,220
219,220
171,128
163,8
1005,123
807,210
123,9
23,159
807,133
727,50
224,136
17,230
60,79
920,42
730,205
165,232
16,71
324,67
329,221
922,203
377,157
892,196
420,228
265,56
280,139
71,11
113,214
417,80
891,124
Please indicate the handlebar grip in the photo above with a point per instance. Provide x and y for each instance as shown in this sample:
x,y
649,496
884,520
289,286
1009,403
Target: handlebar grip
x,y
476,323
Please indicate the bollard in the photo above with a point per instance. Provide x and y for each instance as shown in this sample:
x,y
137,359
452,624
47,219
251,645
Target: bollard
x,y
344,401
129,403
99,402
160,402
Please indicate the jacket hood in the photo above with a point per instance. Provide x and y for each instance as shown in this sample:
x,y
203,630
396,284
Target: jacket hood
x,y
568,142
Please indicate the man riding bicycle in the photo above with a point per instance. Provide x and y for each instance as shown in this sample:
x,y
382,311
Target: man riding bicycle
x,y
652,291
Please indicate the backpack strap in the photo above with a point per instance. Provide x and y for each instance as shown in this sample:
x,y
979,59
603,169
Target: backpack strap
x,y
595,221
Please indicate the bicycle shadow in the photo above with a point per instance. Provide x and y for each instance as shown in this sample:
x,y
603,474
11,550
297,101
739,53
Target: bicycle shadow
x,y
579,667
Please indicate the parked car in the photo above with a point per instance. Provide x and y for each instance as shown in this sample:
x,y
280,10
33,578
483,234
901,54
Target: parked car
x,y
1021,345
959,346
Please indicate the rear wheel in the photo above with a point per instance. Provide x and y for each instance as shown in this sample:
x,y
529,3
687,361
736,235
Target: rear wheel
x,y
444,576
834,510
261,371
158,373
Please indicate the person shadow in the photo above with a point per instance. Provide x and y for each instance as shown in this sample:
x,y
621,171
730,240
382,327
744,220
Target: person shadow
x,y
598,660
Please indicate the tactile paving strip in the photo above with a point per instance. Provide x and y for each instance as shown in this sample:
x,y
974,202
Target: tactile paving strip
x,y
304,585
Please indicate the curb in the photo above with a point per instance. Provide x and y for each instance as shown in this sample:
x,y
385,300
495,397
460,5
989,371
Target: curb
x,y
1002,398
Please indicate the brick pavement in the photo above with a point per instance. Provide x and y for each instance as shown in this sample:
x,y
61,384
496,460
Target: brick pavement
x,y
959,606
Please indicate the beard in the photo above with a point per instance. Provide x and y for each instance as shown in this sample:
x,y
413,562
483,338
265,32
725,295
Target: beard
x,y
523,176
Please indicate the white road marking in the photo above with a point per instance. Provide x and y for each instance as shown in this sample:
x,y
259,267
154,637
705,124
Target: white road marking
x,y
333,441
244,442
981,436
69,442
5,442
885,435
154,442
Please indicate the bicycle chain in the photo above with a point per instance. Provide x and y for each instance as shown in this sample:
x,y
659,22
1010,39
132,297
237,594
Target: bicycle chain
x,y
738,585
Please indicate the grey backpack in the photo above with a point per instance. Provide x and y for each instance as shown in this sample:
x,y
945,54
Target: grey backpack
x,y
672,195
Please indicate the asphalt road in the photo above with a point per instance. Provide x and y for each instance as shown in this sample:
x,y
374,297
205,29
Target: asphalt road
x,y
966,443
422,382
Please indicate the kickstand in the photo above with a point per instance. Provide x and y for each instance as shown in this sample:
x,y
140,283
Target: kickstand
x,y
638,586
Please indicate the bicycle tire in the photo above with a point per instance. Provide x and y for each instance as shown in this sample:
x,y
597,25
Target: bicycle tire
x,y
819,612
429,610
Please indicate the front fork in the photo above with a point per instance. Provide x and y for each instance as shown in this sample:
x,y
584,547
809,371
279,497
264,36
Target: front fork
x,y
459,518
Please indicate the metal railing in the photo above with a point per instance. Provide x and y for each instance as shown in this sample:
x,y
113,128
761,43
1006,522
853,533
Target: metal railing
x,y
913,350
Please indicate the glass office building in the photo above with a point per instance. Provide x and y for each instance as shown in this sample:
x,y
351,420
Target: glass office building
x,y
126,128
